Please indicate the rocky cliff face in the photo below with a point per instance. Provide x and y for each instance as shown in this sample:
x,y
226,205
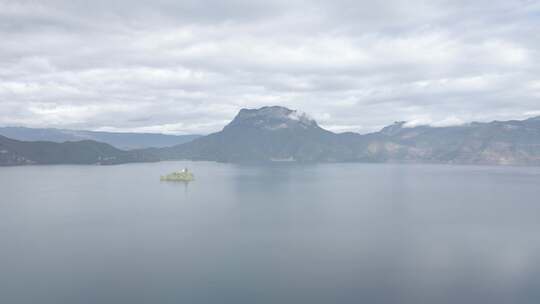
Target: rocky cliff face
x,y
271,119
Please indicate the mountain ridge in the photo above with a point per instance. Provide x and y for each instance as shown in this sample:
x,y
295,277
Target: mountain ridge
x,y
14,152
274,133
120,140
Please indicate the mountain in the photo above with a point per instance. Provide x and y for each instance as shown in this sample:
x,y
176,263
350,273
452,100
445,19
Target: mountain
x,y
277,134
125,141
498,143
14,152
265,134
280,134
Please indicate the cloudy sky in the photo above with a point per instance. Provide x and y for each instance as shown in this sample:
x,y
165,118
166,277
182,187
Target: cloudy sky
x,y
189,66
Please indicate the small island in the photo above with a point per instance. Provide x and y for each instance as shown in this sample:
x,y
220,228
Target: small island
x,y
178,176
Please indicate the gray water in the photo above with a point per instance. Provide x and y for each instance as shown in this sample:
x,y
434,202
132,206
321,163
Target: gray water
x,y
337,233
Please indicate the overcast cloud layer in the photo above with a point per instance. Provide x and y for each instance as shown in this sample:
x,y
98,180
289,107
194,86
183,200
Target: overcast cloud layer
x,y
189,66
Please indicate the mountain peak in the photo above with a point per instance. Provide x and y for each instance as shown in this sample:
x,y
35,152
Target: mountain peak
x,y
394,128
272,118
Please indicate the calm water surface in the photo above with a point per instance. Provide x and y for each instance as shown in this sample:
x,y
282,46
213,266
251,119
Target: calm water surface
x,y
339,233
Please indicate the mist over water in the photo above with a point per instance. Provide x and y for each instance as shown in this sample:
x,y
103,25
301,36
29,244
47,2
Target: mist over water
x,y
329,233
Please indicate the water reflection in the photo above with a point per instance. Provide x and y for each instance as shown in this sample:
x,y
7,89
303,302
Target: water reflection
x,y
337,233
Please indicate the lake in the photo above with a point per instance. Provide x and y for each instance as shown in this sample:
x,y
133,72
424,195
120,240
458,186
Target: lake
x,y
329,233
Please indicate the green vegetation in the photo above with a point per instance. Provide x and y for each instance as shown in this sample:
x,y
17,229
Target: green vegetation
x,y
179,176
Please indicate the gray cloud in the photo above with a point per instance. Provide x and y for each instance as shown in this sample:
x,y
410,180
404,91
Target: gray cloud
x,y
188,66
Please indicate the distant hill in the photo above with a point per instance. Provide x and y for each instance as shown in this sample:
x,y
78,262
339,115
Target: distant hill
x,y
14,152
280,134
497,143
125,141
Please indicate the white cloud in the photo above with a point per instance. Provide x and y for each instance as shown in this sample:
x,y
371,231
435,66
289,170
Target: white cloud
x,y
181,67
